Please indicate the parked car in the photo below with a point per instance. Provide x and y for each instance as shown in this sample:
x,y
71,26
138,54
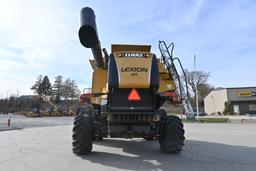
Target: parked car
x,y
202,114
252,113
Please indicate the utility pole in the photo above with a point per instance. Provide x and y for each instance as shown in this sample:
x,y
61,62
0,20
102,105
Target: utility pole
x,y
197,108
17,101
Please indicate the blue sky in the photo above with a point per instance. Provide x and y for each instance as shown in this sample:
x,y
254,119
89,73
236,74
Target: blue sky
x,y
40,37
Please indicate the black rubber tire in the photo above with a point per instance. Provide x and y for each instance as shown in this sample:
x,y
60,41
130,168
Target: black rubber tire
x,y
148,138
101,133
100,138
97,138
172,138
82,134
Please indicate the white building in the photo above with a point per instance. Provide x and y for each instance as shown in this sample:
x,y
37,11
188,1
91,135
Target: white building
x,y
240,100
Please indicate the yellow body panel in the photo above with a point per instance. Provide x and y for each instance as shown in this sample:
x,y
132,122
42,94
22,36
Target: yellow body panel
x,y
99,84
165,81
166,85
161,67
130,79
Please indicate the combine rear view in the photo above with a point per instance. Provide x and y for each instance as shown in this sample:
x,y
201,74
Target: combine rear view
x,y
129,87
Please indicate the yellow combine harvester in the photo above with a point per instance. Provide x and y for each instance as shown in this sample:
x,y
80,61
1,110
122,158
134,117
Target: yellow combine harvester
x,y
129,87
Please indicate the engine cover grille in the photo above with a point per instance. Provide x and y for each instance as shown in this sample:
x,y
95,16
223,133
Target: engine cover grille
x,y
131,117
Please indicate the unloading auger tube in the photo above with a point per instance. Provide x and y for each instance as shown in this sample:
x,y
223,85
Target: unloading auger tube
x,y
88,35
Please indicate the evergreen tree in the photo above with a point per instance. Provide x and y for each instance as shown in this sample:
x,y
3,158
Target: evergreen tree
x,y
46,87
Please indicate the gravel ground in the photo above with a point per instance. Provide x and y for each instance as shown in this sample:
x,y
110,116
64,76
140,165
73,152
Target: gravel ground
x,y
207,147
20,122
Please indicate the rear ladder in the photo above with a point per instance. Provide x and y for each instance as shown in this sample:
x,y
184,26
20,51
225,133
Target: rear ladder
x,y
182,87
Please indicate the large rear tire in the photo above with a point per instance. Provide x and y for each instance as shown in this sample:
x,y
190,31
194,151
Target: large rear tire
x,y
172,138
82,134
148,138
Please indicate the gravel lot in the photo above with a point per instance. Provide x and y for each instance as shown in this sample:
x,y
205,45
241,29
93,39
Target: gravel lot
x,y
20,121
208,147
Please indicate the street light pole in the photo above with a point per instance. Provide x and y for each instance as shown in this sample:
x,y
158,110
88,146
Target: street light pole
x,y
197,108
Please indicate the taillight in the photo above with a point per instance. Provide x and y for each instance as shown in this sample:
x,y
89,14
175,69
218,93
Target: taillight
x,y
85,97
168,93
134,95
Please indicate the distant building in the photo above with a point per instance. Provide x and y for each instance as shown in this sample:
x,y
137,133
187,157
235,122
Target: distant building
x,y
240,100
27,97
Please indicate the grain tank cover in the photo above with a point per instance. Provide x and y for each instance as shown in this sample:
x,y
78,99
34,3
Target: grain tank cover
x,y
124,48
129,69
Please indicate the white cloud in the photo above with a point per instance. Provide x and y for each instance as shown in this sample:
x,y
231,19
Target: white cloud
x,y
40,36
37,37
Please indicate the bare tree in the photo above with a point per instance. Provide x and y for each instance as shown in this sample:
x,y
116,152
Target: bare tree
x,y
37,86
12,103
74,93
195,80
204,90
66,88
70,91
57,88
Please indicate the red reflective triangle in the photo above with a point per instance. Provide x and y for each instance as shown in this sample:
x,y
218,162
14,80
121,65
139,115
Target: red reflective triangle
x,y
134,95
